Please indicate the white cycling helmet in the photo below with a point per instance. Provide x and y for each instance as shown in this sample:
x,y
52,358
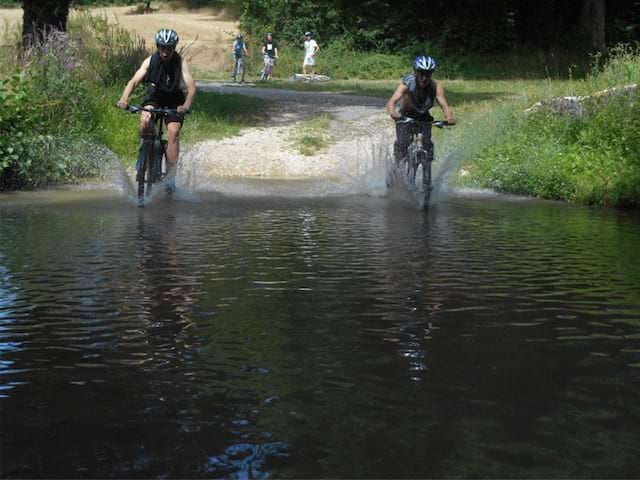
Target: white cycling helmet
x,y
167,37
427,64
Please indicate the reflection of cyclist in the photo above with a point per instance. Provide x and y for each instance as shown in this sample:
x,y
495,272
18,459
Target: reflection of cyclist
x,y
167,76
416,94
270,50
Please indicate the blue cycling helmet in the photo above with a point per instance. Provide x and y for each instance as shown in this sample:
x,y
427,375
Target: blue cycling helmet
x,y
167,37
427,64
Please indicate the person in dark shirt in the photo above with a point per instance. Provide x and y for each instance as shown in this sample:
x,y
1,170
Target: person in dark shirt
x,y
270,50
169,84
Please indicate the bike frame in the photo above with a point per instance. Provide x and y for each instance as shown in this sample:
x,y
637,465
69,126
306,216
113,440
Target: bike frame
x,y
238,69
418,155
153,151
268,67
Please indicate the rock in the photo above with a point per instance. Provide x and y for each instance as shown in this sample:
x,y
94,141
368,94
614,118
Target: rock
x,y
574,106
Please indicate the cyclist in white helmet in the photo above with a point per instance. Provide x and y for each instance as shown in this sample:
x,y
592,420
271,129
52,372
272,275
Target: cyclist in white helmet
x,y
169,84
416,94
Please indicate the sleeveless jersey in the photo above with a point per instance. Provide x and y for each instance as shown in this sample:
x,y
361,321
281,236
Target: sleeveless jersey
x,y
421,104
163,79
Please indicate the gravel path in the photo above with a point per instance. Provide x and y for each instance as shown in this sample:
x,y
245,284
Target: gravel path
x,y
360,132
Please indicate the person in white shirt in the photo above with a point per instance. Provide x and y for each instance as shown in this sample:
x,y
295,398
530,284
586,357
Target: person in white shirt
x,y
310,49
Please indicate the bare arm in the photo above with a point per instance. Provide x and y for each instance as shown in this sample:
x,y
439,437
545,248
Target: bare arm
x,y
136,80
444,105
400,92
191,87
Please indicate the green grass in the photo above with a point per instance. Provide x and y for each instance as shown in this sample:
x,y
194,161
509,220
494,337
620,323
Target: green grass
x,y
311,136
213,116
592,159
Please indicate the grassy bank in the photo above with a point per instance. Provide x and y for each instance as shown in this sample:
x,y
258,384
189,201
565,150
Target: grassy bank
x,y
343,63
592,159
58,105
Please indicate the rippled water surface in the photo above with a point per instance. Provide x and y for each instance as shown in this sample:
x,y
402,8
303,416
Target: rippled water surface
x,y
356,337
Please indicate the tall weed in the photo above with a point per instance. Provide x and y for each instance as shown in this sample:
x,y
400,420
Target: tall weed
x,y
593,159
51,104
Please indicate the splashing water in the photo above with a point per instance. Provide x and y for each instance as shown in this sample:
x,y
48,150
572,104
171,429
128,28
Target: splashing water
x,y
358,166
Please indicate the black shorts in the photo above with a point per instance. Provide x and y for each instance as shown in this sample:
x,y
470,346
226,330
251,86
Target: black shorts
x,y
171,103
404,137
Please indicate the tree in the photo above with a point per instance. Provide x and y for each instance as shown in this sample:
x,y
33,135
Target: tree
x,y
42,16
592,23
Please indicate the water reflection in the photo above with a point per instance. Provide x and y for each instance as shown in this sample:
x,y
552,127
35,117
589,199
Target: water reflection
x,y
298,338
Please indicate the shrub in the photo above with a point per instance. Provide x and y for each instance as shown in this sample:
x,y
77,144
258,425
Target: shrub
x,y
51,107
593,160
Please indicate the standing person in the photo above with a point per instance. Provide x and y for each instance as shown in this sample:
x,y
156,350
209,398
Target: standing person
x,y
169,84
311,47
417,94
239,50
270,50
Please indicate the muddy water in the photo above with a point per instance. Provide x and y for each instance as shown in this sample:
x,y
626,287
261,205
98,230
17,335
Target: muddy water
x,y
214,336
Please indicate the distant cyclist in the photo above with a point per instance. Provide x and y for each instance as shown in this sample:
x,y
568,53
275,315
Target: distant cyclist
x,y
169,84
239,48
311,48
270,49
416,94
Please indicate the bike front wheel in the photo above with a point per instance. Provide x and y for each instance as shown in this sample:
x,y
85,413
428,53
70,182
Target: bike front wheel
x,y
142,171
148,169
426,182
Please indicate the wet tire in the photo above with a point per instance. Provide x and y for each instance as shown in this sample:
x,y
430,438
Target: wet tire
x,y
426,182
142,169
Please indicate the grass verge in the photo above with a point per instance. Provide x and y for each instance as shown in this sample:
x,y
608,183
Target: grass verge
x,y
591,159
311,136
214,116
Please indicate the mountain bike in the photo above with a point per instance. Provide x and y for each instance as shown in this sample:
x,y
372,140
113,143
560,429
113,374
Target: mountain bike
x,y
267,68
238,70
419,155
151,166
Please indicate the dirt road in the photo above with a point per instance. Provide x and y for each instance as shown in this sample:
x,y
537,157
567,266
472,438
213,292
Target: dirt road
x,y
205,35
359,125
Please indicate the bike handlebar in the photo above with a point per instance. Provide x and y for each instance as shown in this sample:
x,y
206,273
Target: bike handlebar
x,y
159,111
434,123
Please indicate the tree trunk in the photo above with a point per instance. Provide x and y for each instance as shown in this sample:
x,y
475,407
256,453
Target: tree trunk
x,y
42,16
592,23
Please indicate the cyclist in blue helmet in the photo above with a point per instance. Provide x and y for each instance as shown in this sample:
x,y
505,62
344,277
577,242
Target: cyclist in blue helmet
x,y
169,84
416,95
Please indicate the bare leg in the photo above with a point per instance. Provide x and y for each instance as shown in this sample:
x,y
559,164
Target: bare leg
x,y
145,123
173,148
